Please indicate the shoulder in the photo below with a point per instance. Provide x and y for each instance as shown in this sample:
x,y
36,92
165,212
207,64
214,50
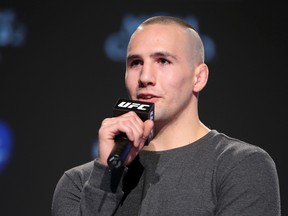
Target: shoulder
x,y
73,180
231,152
225,145
82,171
244,172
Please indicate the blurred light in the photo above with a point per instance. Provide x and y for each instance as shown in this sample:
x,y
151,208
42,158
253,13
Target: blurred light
x,y
95,149
5,145
209,47
12,32
116,43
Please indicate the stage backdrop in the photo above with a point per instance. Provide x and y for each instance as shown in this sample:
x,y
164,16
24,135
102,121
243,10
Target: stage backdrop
x,y
62,69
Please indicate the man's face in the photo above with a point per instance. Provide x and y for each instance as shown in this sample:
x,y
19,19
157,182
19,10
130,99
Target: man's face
x,y
159,69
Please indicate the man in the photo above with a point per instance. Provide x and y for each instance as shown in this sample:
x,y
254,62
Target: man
x,y
187,168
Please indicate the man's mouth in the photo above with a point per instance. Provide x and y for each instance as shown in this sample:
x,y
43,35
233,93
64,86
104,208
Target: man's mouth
x,y
147,97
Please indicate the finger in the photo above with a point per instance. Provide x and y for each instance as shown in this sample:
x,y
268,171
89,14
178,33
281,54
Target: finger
x,y
147,127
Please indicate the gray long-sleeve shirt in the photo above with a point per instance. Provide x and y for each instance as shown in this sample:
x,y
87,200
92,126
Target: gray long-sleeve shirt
x,y
216,175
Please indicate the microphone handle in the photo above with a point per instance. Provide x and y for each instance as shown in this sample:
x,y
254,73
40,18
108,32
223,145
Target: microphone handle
x,y
119,152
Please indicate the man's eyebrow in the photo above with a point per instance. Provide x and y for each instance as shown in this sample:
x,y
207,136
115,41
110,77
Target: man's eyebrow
x,y
131,57
153,55
163,54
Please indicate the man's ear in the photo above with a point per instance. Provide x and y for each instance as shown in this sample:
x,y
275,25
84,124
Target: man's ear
x,y
201,77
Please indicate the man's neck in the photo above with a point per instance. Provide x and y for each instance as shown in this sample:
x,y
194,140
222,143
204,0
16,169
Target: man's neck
x,y
174,136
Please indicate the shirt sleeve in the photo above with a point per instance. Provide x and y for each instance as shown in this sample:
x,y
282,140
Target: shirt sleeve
x,y
99,194
249,186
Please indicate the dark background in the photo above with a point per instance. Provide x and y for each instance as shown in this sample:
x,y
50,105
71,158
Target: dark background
x,y
57,87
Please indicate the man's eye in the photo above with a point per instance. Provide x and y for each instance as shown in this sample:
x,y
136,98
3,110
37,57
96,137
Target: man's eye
x,y
135,63
163,61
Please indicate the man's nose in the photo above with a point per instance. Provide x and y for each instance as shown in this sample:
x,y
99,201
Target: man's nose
x,y
147,76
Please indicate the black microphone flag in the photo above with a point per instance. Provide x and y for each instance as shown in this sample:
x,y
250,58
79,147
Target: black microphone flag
x,y
145,110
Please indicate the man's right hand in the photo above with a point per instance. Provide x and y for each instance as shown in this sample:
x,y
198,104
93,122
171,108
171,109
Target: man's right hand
x,y
129,123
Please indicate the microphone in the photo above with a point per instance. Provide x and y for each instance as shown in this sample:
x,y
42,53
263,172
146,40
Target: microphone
x,y
144,110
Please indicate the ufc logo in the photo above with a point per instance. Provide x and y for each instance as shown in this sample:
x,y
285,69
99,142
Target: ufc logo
x,y
130,105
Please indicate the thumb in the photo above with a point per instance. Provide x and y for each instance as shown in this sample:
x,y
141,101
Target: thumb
x,y
148,126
